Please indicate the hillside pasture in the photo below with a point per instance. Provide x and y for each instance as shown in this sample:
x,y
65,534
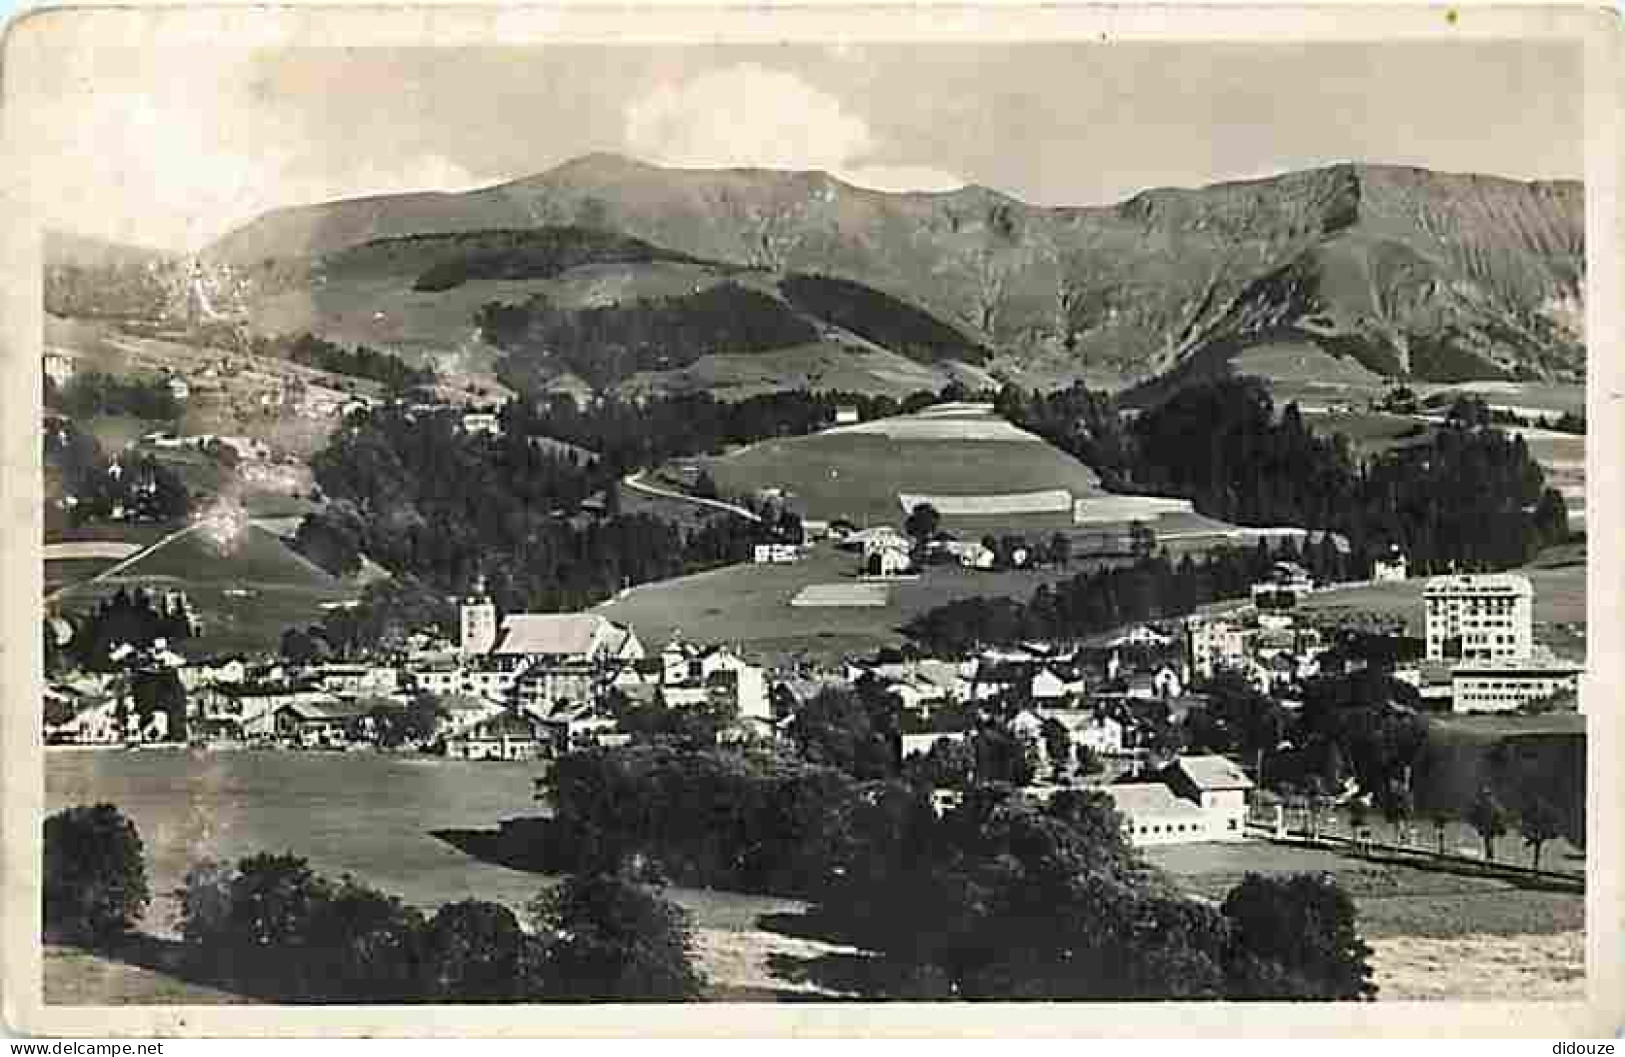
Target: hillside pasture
x,y
859,472
245,595
832,365
1524,398
749,605
1371,432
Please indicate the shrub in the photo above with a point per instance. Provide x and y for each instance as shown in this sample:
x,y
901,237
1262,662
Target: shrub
x,y
1295,938
609,940
205,903
273,899
95,876
367,947
473,952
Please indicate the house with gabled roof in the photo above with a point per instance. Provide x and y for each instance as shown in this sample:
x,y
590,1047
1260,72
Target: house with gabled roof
x,y
504,735
318,724
1218,785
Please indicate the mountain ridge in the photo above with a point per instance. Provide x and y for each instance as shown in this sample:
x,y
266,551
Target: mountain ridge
x,y
1480,276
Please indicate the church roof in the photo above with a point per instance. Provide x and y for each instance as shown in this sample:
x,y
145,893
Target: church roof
x,y
584,635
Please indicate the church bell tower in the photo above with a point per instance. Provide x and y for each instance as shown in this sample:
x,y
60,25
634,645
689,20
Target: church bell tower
x,y
479,621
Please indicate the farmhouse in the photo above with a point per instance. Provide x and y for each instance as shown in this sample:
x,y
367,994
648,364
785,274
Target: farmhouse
x,y
316,725
504,736
1142,636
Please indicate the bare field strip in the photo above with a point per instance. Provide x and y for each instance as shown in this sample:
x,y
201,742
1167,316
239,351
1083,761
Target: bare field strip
x,y
96,550
907,429
1528,968
841,595
1048,501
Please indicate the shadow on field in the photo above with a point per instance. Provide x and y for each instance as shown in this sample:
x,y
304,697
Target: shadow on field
x,y
852,977
838,975
260,976
531,845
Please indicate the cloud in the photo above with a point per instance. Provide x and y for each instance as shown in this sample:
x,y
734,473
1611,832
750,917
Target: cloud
x,y
172,153
748,115
901,178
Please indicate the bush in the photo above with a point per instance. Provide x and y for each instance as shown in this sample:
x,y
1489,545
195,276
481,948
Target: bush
x,y
1295,938
274,925
273,900
367,947
609,940
95,876
474,952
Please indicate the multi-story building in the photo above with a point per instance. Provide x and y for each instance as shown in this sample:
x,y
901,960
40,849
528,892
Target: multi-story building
x,y
1478,617
1216,644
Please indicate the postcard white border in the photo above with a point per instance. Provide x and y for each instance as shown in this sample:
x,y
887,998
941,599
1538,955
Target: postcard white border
x,y
28,42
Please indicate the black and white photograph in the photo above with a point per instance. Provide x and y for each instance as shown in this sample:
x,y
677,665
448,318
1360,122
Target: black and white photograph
x,y
855,519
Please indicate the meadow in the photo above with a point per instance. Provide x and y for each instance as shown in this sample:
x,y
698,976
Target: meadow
x,y
246,594
749,605
858,472
1434,935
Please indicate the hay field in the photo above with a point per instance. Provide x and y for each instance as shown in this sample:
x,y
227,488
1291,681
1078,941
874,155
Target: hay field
x,y
246,596
749,605
841,595
1434,935
858,472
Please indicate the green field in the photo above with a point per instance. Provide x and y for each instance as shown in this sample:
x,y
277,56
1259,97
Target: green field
x,y
1550,397
1371,432
246,595
857,473
750,605
1393,900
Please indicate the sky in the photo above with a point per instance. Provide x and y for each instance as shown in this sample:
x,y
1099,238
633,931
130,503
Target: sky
x,y
172,149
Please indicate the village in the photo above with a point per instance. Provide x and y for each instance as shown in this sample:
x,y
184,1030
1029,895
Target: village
x,y
1113,711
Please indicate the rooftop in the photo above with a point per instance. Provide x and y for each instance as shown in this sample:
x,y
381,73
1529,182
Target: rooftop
x,y
1146,800
1213,772
559,635
1479,583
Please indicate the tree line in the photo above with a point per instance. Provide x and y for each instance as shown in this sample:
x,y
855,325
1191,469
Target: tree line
x,y
421,497
606,344
1152,587
94,487
1470,495
417,494
270,926
89,393
998,898
359,362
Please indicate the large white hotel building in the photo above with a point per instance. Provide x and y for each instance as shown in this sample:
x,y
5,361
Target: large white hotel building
x,y
1479,618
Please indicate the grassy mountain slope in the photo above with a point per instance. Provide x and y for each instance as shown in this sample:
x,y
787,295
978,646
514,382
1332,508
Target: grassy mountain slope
x,y
1447,275
575,306
859,472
